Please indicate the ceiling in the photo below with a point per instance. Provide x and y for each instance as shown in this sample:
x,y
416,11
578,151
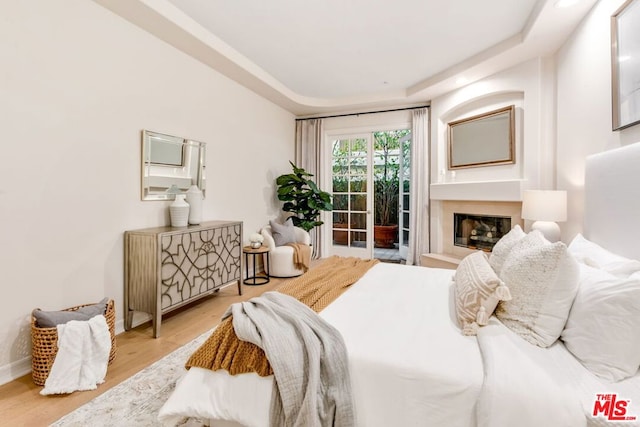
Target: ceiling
x,y
313,57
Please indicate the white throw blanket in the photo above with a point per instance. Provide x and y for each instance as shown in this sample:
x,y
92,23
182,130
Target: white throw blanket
x,y
312,385
82,357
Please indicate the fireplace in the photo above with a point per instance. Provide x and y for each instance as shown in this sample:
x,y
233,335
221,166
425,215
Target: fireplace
x,y
479,231
474,211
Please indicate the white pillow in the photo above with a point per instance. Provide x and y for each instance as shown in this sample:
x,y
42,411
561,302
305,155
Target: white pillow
x,y
594,255
543,280
503,246
477,292
604,323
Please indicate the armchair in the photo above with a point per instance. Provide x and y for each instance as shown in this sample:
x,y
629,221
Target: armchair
x,y
282,256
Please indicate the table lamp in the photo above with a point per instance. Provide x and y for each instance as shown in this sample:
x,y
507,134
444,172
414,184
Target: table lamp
x,y
545,208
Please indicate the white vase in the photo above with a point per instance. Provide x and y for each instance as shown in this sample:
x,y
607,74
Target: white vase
x,y
179,211
194,198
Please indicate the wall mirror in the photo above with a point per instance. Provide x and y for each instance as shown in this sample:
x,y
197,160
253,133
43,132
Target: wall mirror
x,y
483,140
170,165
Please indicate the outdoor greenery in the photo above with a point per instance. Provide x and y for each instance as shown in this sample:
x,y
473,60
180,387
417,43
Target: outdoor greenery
x,y
302,197
386,179
350,178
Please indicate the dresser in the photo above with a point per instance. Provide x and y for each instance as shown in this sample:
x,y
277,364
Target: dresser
x,y
168,267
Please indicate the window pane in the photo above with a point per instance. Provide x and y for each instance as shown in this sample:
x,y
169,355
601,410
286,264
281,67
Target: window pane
x,y
358,238
339,218
340,202
359,202
358,221
358,146
359,185
340,184
340,238
340,148
340,168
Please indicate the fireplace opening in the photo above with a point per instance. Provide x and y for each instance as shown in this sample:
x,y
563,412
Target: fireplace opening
x,y
479,231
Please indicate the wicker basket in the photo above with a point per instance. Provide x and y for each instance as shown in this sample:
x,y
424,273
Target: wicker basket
x,y
44,342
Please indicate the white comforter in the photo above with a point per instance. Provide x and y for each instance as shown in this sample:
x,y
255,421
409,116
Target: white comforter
x,y
409,363
411,366
531,386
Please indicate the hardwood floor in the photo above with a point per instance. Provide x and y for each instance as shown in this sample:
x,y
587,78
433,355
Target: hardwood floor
x,y
22,405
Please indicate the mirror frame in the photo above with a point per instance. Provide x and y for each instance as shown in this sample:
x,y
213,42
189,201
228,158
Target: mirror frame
x,y
192,151
509,139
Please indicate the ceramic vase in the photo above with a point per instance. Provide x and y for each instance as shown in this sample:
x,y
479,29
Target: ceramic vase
x,y
179,211
194,198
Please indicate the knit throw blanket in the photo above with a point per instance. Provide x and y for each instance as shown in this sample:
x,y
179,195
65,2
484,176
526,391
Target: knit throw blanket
x,y
316,289
301,256
312,387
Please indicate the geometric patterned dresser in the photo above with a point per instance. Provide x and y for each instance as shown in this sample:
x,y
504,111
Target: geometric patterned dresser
x,y
168,267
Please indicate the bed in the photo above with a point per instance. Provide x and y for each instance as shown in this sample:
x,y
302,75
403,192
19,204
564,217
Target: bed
x,y
411,364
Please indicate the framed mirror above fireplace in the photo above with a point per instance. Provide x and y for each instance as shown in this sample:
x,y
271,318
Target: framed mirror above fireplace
x,y
486,139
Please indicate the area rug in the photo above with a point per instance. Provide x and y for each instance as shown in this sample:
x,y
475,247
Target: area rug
x,y
137,400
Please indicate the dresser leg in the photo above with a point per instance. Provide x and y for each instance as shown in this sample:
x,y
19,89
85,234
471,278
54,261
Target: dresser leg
x,y
156,324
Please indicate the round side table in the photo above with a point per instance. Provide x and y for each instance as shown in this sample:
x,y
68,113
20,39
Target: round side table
x,y
256,279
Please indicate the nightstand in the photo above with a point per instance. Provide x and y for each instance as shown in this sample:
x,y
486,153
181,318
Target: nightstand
x,y
256,279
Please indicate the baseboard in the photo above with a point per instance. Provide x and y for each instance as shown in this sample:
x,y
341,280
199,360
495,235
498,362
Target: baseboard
x,y
15,370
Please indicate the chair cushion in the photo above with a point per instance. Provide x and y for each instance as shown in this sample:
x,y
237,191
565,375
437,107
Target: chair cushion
x,y
283,233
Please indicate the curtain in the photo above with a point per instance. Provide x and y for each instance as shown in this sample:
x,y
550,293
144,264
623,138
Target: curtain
x,y
419,190
308,156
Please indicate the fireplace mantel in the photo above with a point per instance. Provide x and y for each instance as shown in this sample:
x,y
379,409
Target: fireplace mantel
x,y
496,191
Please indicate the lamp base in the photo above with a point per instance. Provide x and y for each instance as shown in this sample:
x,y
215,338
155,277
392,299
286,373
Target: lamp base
x,y
549,229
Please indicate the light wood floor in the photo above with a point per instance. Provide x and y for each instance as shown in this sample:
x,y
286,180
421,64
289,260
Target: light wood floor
x,y
22,405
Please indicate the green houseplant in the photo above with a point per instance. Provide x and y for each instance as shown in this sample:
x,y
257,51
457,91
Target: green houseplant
x,y
302,197
386,189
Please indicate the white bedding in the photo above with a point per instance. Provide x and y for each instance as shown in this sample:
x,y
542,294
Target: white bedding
x,y
409,363
530,386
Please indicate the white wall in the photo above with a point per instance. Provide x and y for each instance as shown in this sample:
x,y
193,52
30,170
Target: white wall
x,y
78,84
584,107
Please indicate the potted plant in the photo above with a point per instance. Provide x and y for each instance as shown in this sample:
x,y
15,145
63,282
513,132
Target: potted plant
x,y
303,198
386,189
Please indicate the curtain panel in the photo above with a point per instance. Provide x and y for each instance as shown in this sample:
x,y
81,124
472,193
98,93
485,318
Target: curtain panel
x,y
419,190
308,156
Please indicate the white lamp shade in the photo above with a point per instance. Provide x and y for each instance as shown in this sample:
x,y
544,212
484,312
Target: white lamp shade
x,y
544,205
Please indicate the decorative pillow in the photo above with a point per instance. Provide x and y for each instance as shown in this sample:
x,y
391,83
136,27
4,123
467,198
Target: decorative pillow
x,y
594,255
477,292
502,248
283,233
543,280
602,329
51,319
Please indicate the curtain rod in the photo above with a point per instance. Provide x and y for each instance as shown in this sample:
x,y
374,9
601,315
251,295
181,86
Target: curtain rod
x,y
364,112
